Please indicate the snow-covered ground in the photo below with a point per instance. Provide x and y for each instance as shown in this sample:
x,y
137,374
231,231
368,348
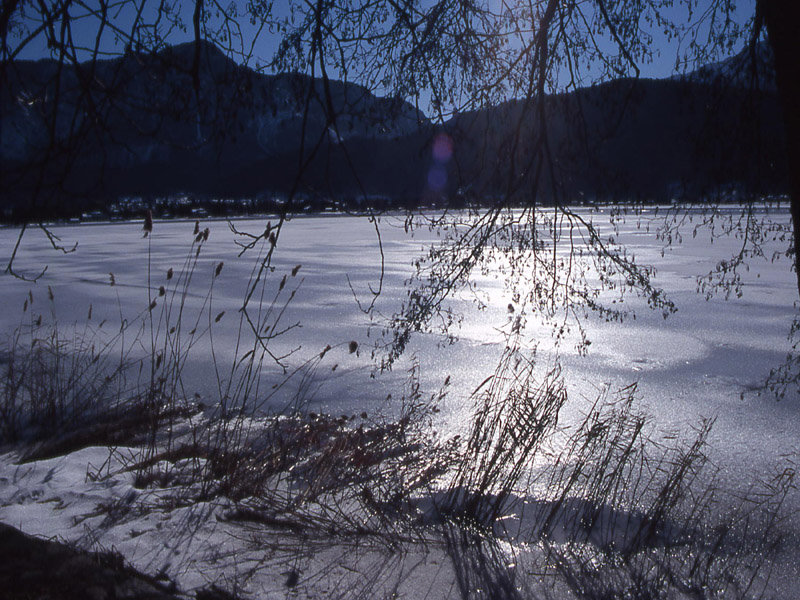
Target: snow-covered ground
x,y
193,545
707,360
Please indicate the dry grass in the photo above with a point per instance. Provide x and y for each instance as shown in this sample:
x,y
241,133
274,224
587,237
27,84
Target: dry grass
x,y
616,509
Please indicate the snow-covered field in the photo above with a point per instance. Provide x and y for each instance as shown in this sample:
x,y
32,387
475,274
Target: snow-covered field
x,y
710,359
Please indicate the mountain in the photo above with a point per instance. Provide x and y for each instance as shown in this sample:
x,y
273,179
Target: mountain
x,y
752,68
628,139
166,124
152,124
716,129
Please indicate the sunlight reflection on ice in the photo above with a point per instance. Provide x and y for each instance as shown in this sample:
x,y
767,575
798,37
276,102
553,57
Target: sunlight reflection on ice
x,y
696,362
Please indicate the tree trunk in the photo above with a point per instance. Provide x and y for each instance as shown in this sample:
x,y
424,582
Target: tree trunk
x,y
782,20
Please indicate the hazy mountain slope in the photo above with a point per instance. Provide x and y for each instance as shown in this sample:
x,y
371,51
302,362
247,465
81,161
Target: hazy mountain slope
x,y
138,122
718,128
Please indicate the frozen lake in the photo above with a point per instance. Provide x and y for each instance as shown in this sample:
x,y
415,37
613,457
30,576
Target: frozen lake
x,y
707,360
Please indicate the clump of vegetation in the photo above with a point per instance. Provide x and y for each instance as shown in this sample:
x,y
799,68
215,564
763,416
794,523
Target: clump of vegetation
x,y
65,389
615,508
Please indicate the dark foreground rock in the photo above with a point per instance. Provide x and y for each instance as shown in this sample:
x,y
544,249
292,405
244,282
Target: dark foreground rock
x,y
36,569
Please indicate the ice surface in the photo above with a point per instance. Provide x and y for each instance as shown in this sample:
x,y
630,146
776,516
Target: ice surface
x,y
707,360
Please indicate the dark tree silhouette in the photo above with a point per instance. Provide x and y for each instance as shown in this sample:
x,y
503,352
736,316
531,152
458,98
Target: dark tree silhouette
x,y
782,20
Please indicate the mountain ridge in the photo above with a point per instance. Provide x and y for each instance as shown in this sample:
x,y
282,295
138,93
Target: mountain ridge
x,y
150,125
